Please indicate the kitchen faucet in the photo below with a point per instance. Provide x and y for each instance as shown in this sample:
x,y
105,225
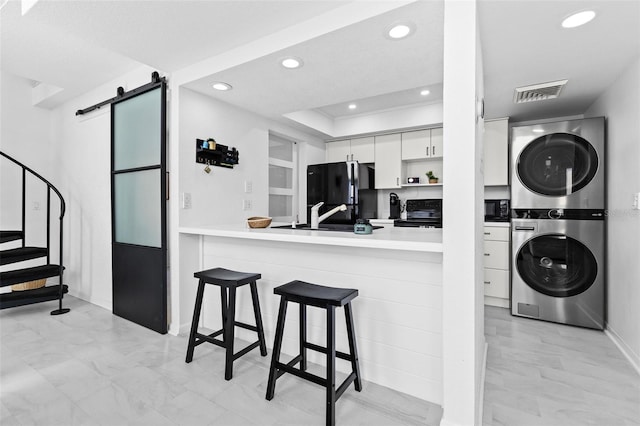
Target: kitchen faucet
x,y
315,220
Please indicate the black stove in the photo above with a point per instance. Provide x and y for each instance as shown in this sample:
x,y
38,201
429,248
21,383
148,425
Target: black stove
x,y
425,213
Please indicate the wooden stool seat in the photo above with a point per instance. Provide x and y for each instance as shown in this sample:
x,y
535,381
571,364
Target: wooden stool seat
x,y
327,298
228,281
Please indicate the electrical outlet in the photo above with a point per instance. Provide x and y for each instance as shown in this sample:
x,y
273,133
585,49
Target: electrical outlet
x,y
246,204
186,200
248,186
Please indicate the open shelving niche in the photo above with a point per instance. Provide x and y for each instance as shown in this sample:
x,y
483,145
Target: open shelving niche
x,y
418,168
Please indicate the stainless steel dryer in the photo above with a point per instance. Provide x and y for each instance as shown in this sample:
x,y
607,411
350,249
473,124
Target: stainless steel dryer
x,y
558,165
558,266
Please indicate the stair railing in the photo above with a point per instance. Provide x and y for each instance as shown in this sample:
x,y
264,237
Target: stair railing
x,y
50,188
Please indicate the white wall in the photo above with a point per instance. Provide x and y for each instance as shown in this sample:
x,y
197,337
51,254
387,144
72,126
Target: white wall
x,y
25,135
217,197
621,105
83,161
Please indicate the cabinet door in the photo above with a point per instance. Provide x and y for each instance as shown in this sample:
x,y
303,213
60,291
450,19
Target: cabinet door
x,y
416,145
496,146
388,161
338,151
496,283
496,254
362,150
436,143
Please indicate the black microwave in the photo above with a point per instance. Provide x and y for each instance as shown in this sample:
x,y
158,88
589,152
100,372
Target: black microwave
x,y
496,211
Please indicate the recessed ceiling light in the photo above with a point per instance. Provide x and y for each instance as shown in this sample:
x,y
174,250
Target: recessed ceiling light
x,y
218,85
424,92
399,31
577,19
353,106
291,62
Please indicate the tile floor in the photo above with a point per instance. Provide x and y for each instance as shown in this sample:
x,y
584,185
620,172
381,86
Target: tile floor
x,y
91,368
544,374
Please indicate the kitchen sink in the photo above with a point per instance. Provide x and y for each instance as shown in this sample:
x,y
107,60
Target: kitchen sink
x,y
340,227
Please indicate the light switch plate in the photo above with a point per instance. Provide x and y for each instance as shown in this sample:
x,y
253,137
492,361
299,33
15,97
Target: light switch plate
x,y
248,186
246,204
186,200
636,201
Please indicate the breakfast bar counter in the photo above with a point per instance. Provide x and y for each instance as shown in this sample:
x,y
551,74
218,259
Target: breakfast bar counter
x,y
397,272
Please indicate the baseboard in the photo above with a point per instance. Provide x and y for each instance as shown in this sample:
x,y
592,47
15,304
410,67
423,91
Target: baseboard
x,y
482,379
628,353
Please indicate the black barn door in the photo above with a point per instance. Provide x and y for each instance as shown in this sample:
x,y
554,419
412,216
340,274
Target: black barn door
x,y
138,207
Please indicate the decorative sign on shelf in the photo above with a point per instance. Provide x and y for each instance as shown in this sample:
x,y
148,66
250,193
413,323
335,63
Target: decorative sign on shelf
x,y
214,154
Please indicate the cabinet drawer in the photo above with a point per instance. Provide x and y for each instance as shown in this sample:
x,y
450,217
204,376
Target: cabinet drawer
x,y
496,254
496,283
494,233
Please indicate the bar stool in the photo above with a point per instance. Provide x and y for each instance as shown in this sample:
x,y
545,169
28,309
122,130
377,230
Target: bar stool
x,y
322,297
228,281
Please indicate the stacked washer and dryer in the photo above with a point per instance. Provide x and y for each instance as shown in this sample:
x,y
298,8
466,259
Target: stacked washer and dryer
x,y
558,222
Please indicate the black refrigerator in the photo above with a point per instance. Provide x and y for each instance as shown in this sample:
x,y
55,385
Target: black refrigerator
x,y
349,183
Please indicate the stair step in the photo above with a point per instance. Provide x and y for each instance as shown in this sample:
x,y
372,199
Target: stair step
x,y
20,254
27,297
6,236
28,274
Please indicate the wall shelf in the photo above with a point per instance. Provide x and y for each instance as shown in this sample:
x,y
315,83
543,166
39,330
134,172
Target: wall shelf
x,y
220,156
410,185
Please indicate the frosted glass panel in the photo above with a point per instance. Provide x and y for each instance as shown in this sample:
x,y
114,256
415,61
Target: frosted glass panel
x,y
280,177
137,208
280,148
280,206
137,133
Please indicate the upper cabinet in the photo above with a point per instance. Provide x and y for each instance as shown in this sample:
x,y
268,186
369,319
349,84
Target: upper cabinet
x,y
422,144
496,148
388,161
357,149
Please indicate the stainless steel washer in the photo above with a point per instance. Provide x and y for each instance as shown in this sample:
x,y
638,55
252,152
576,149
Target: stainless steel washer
x,y
558,266
558,165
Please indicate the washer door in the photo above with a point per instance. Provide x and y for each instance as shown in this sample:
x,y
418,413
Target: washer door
x,y
556,265
557,164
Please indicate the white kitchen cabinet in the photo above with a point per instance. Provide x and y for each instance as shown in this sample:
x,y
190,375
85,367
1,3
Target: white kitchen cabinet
x,y
388,161
496,151
357,149
496,265
362,150
422,144
436,142
338,151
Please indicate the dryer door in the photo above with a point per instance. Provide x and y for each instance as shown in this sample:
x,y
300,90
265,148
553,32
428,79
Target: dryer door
x,y
557,164
556,265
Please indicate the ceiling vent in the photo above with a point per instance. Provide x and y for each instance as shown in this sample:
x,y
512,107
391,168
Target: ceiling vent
x,y
538,92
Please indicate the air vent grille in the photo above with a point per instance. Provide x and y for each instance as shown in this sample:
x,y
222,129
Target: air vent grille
x,y
538,92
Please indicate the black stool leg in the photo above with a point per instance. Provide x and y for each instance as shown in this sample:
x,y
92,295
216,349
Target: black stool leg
x,y
194,322
355,366
277,345
331,366
258,315
229,334
303,337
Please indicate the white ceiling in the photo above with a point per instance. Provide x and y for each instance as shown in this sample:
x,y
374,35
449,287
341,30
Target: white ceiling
x,y
79,45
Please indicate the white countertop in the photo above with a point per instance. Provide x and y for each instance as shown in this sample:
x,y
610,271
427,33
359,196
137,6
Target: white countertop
x,y
407,239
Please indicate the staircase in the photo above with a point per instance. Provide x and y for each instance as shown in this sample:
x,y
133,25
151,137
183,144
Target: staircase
x,y
15,255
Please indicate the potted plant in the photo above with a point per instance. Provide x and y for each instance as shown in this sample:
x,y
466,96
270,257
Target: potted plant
x,y
432,178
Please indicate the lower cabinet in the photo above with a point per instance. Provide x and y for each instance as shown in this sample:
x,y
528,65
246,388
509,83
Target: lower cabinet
x,y
496,265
